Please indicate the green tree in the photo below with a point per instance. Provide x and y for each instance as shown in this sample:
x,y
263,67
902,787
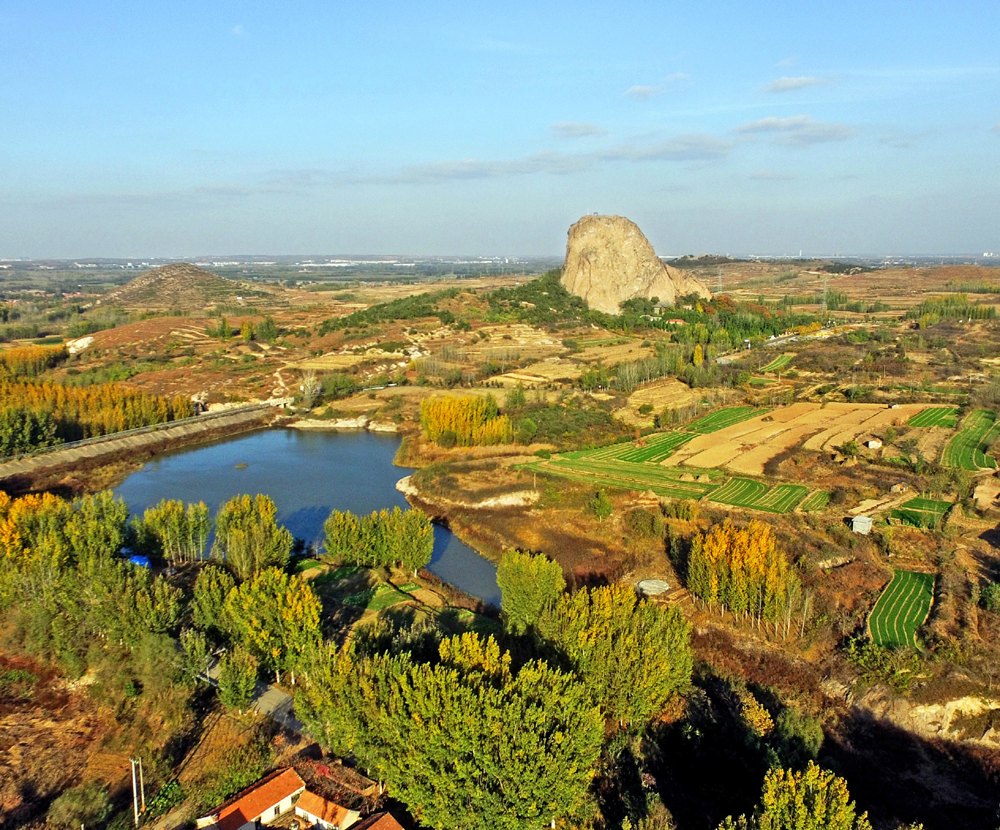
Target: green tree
x,y
177,533
247,331
814,799
208,604
529,585
237,678
276,618
516,398
631,655
248,537
600,505
197,652
267,331
466,742
87,804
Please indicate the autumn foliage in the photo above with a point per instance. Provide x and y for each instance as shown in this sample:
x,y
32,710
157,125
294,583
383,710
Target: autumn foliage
x,y
93,410
742,570
30,361
467,421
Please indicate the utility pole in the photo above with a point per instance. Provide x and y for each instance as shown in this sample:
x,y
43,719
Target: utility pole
x,y
138,790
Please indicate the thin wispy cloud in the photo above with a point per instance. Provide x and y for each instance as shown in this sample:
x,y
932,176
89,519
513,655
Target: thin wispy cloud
x,y
238,30
996,127
643,93
771,176
575,129
797,130
788,84
789,61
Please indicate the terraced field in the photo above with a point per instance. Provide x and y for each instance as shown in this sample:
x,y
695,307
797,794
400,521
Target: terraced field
x,y
921,512
667,482
780,362
745,492
722,418
936,416
817,500
967,449
902,609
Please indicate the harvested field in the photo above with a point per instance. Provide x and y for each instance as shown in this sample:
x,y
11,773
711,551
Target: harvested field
x,y
616,352
902,608
330,362
546,371
967,450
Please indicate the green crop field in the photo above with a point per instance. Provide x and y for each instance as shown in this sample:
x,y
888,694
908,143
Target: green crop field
x,y
663,481
936,416
967,449
817,500
722,418
658,447
921,512
780,362
745,492
902,608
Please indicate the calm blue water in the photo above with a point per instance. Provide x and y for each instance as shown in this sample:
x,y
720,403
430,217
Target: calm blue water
x,y
308,474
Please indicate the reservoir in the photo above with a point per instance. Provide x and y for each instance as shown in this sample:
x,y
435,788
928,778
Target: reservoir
x,y
308,473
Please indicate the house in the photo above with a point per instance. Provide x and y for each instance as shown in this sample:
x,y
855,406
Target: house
x,y
874,444
325,814
258,804
378,821
862,525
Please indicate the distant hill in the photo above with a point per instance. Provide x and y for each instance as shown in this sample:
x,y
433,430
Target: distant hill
x,y
186,287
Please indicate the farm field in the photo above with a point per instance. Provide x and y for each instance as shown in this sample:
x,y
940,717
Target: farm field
x,y
780,362
966,450
902,608
745,492
921,512
722,418
817,500
936,416
670,483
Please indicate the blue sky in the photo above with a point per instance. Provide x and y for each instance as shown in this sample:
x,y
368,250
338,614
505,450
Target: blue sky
x,y
178,129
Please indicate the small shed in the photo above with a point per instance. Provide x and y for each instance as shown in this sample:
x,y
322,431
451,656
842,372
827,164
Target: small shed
x,y
862,525
874,444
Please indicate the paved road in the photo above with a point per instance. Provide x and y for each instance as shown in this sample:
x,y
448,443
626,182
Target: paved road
x,y
268,700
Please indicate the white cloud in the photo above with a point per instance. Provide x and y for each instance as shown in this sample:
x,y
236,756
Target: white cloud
x,y
575,129
996,127
643,93
771,176
789,61
797,130
787,84
238,30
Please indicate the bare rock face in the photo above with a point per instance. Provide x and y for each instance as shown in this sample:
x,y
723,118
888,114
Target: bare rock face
x,y
608,261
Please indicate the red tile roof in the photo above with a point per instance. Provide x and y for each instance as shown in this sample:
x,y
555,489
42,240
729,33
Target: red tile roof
x,y
258,799
378,821
320,808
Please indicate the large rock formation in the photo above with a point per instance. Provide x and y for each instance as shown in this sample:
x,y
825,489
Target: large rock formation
x,y
608,261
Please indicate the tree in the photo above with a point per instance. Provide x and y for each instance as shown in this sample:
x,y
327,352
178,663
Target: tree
x,y
179,534
211,589
467,741
248,537
197,653
516,398
600,505
276,618
247,331
529,585
267,331
631,655
814,799
87,804
237,678
310,388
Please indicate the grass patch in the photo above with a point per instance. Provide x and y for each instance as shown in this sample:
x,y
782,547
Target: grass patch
x,y
377,598
936,416
902,608
921,512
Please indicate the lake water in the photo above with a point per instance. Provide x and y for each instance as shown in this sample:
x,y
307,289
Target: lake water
x,y
307,473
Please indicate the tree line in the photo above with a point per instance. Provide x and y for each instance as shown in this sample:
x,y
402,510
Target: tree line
x,y
466,421
30,361
385,537
501,731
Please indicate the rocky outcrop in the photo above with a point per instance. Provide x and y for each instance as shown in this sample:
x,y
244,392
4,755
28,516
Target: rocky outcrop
x,y
609,260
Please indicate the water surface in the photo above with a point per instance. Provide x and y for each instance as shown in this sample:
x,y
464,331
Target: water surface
x,y
308,474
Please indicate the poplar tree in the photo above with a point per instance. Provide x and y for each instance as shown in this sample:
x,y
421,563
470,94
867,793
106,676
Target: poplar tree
x,y
248,538
529,586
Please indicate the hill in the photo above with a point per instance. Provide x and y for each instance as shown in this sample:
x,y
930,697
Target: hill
x,y
185,287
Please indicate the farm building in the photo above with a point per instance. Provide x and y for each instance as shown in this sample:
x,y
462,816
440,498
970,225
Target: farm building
x,y
325,814
257,805
862,525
